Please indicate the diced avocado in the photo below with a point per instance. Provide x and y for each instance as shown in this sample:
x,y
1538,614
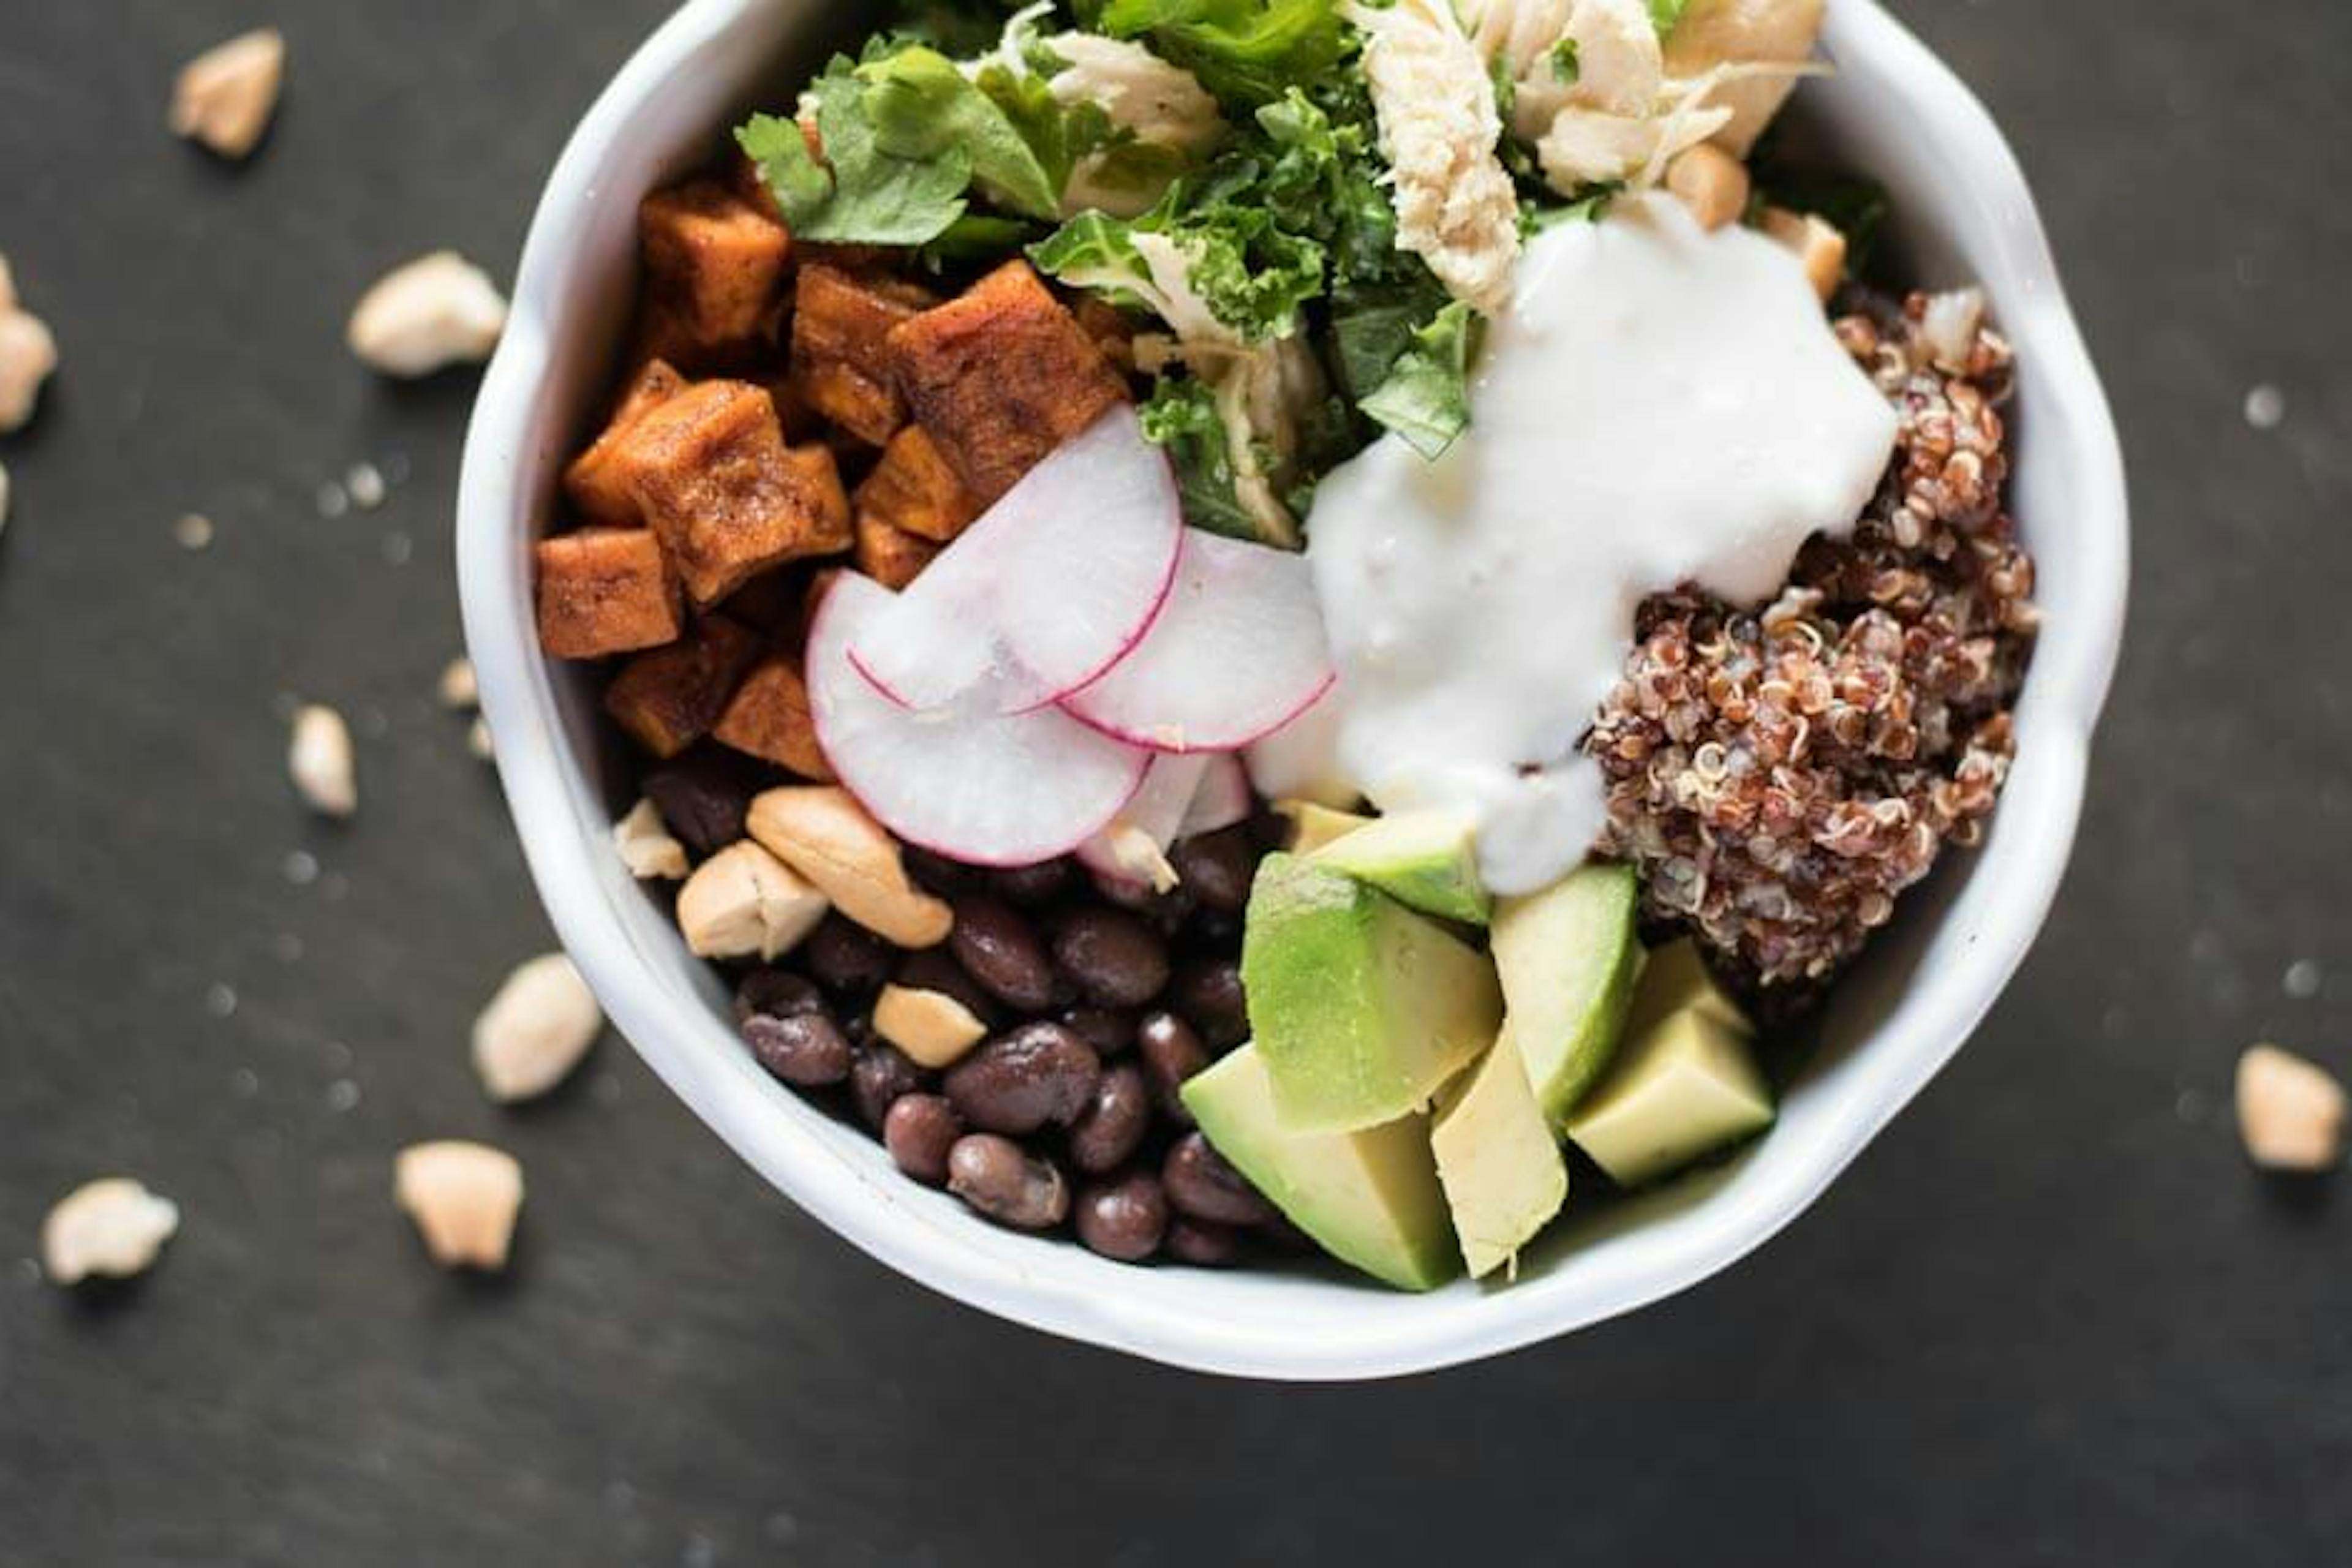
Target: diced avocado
x,y
1314,826
1684,1087
1569,956
1361,1008
1426,860
1674,977
1500,1166
1368,1198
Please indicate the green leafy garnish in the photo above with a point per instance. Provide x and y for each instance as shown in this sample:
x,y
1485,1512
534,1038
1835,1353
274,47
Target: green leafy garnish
x,y
861,194
1566,67
1667,13
924,108
1246,52
1182,415
1426,397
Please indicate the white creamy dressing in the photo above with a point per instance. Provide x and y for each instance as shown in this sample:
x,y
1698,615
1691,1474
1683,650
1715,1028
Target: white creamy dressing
x,y
1658,405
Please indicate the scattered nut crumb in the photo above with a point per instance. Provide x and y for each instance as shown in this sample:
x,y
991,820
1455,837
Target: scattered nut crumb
x,y
478,739
2265,407
1818,244
194,530
225,96
464,1197
365,486
320,758
535,1030
112,1227
646,847
931,1027
29,353
743,901
457,689
4,498
2290,1111
437,311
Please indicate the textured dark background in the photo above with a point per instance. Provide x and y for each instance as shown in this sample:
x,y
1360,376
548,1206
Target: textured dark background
x,y
2050,1317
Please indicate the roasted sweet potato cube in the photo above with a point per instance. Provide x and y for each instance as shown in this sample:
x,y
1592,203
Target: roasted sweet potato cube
x,y
604,591
768,718
912,489
1001,376
771,603
669,698
711,473
1112,329
597,481
891,556
841,357
714,259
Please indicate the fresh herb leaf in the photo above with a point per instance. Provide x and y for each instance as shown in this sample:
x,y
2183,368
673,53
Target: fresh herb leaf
x,y
978,239
802,185
1096,252
861,194
925,110
1372,328
1182,415
1667,13
1426,397
1246,52
1567,68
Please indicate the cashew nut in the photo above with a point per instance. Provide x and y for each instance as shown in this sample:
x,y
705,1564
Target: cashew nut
x,y
464,1197
646,846
1711,183
2290,1111
1817,243
29,353
458,691
438,311
535,1029
225,96
824,834
112,1227
319,759
743,901
931,1027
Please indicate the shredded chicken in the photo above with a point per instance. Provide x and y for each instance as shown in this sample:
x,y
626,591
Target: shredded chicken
x,y
1161,105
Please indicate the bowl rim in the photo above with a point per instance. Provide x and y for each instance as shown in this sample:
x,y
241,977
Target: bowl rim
x,y
564,843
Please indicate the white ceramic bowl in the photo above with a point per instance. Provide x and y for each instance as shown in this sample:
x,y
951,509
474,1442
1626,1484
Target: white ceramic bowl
x,y
1963,213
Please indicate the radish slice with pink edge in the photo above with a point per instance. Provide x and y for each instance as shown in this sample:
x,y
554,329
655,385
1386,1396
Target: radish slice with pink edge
x,y
979,786
1051,587
1134,848
1222,801
1237,653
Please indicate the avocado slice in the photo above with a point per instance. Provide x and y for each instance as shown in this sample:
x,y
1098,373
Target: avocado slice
x,y
1684,1087
1314,826
1500,1166
1568,957
1675,977
1361,1008
1426,860
1369,1198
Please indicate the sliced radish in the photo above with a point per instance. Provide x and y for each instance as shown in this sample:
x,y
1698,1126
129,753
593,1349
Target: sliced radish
x,y
1049,589
1237,653
1222,801
970,783
1134,848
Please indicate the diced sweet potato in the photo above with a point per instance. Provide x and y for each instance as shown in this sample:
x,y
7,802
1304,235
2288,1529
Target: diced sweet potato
x,y
1001,376
768,718
770,602
714,259
891,556
669,698
841,359
1112,329
711,473
912,489
595,480
604,591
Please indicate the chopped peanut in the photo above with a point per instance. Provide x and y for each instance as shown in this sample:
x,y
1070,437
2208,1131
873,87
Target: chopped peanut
x,y
744,901
931,1027
437,310
1816,241
2290,1111
668,698
111,1227
646,847
319,759
535,1030
464,1198
825,834
1711,183
604,591
225,96
770,719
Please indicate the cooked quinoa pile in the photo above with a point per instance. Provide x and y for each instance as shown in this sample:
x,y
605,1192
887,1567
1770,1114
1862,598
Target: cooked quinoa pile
x,y
1781,777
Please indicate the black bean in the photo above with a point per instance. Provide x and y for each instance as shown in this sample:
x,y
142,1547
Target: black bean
x,y
1201,1185
1215,931
1111,1033
1208,991
1202,1242
999,1178
1030,887
846,957
935,873
1018,1082
934,969
703,796
1114,1121
1000,949
1171,1052
1270,831
1117,959
1218,868
779,993
1124,1219
881,1076
806,1050
918,1132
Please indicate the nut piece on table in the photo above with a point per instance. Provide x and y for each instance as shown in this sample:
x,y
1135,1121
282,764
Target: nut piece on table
x,y
714,264
604,591
225,96
2290,1111
318,758
825,834
457,689
3,496
112,1227
770,719
841,359
1001,376
1817,242
438,311
29,355
709,470
742,901
669,698
1711,183
478,739
931,1027
913,489
535,1029
464,1197
891,556
597,481
646,847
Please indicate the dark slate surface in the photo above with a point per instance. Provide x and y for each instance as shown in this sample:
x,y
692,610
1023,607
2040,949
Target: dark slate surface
x,y
2051,1317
